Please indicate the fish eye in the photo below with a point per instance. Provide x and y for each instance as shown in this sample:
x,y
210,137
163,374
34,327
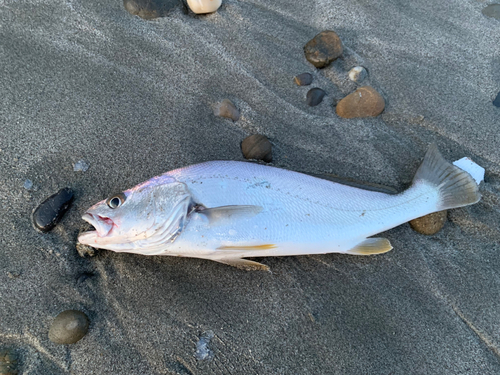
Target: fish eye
x,y
116,200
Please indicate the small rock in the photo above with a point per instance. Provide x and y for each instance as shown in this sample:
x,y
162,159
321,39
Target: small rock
x,y
68,327
202,350
85,250
28,184
315,96
496,102
257,147
323,48
204,6
492,10
304,79
81,166
13,275
51,210
364,102
150,9
429,224
227,109
357,74
8,362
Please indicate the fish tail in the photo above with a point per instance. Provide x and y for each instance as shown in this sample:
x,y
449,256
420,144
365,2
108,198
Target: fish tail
x,y
456,187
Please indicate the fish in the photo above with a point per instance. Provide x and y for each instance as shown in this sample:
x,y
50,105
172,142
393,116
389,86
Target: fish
x,y
228,211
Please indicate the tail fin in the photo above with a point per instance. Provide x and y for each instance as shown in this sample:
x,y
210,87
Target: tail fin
x,y
456,187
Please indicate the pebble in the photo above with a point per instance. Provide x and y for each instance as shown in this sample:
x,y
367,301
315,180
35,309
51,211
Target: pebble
x,y
68,327
357,74
429,224
323,48
315,96
304,79
202,350
492,10
81,166
364,102
496,102
227,109
204,6
13,275
28,184
85,250
257,147
50,211
150,9
8,362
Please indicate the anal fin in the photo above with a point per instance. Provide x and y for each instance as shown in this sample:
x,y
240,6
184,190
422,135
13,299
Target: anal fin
x,y
371,246
244,264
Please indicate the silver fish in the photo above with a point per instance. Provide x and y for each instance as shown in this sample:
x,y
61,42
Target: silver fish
x,y
227,211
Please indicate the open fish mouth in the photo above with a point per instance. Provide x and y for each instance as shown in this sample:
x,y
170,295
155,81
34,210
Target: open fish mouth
x,y
103,225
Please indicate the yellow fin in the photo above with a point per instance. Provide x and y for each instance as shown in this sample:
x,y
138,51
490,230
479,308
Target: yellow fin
x,y
244,264
251,247
371,246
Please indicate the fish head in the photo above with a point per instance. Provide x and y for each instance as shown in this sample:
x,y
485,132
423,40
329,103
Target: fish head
x,y
140,218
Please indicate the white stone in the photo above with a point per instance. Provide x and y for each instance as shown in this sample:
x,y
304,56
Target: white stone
x,y
357,74
475,170
204,6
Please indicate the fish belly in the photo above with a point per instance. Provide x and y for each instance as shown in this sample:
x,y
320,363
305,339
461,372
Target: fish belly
x,y
301,214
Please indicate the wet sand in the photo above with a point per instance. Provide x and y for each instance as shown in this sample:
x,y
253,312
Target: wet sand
x,y
85,80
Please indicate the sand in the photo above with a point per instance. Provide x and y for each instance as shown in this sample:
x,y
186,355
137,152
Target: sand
x,y
85,80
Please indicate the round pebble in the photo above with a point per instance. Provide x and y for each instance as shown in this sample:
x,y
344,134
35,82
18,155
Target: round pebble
x,y
304,79
496,102
364,102
8,362
357,74
50,211
227,109
68,327
429,224
492,10
257,147
150,9
315,96
323,48
204,6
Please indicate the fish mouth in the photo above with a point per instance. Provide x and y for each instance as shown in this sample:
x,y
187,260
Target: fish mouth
x,y
103,225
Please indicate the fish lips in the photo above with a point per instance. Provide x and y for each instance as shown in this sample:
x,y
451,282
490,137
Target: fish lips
x,y
103,226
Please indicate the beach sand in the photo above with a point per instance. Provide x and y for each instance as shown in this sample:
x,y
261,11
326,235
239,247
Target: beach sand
x,y
86,80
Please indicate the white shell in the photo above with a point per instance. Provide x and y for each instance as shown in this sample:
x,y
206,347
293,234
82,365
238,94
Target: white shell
x,y
204,6
357,74
475,170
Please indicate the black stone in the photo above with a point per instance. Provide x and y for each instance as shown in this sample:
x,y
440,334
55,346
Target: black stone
x,y
304,79
150,9
68,327
51,210
496,102
257,147
315,96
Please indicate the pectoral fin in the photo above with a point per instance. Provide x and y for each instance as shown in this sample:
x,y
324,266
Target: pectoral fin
x,y
244,264
223,214
371,246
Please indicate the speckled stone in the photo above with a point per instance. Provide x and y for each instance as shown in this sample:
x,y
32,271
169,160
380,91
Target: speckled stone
x,y
430,224
357,74
50,211
323,48
150,9
8,362
315,96
227,109
304,79
364,102
257,147
68,327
